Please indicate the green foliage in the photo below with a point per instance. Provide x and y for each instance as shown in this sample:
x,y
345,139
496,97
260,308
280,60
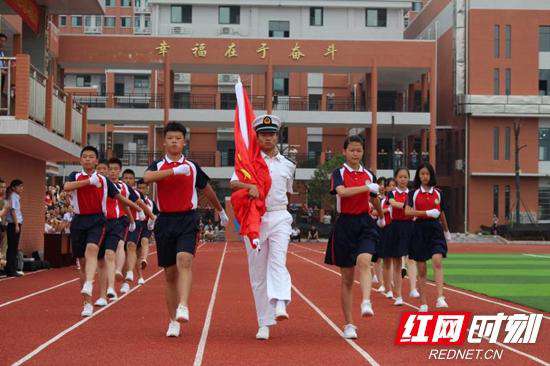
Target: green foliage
x,y
319,186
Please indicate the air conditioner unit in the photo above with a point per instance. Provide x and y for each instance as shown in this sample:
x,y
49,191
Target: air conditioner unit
x,y
177,30
225,30
227,78
91,29
182,78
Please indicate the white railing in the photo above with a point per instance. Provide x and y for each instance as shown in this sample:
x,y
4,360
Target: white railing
x,y
76,129
37,96
6,77
58,113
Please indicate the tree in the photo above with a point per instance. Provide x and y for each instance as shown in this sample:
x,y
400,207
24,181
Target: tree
x,y
319,186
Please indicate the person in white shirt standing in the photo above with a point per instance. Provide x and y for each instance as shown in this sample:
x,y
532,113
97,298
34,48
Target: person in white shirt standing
x,y
269,277
15,221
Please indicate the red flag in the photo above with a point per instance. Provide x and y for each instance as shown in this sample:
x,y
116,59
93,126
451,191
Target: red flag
x,y
250,168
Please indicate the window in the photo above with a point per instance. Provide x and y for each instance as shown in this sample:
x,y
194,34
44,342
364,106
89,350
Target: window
x,y
279,29
417,6
544,203
109,22
147,21
141,82
496,142
544,38
125,22
280,84
495,201
76,21
316,16
508,40
507,142
496,41
62,20
229,14
544,144
544,81
181,14
109,3
508,77
83,80
496,81
375,17
507,202
126,3
137,21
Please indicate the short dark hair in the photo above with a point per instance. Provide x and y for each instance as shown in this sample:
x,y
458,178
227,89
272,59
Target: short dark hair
x,y
353,138
388,181
141,181
432,182
115,161
128,171
381,180
16,183
2,181
89,148
102,161
175,127
400,169
3,35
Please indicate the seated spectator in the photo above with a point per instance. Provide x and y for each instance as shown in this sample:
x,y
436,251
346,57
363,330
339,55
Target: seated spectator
x,y
295,234
313,233
209,232
327,219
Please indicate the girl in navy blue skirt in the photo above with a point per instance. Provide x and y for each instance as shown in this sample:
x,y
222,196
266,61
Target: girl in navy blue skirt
x,y
429,241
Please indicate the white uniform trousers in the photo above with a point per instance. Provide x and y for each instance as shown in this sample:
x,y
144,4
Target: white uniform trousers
x,y
269,278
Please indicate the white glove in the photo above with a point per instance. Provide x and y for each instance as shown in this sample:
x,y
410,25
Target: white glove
x,y
182,169
447,236
132,226
373,187
434,213
150,224
256,245
224,220
94,180
381,222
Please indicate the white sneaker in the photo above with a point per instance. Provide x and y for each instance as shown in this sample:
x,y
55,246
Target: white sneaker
x,y
366,308
398,301
414,293
101,302
124,288
423,308
350,331
111,294
441,303
129,276
88,310
389,295
87,288
280,311
263,333
182,314
375,279
118,276
173,329
141,281
20,273
381,289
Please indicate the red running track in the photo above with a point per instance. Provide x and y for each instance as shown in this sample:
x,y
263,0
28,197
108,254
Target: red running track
x,y
46,328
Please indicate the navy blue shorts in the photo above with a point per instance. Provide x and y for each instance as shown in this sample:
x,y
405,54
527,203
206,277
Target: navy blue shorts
x,y
115,232
175,233
428,239
145,233
351,236
133,237
379,247
86,229
398,239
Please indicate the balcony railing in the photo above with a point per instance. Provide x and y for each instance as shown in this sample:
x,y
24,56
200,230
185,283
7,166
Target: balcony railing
x,y
76,123
6,76
37,96
58,110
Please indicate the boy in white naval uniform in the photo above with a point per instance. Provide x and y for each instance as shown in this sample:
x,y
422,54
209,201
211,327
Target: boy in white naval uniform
x,y
269,276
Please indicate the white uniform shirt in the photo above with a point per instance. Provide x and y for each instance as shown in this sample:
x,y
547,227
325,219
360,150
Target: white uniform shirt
x,y
16,206
282,177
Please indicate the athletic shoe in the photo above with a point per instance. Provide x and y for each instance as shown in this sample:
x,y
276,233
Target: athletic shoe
x,y
381,289
118,276
350,331
398,301
101,302
414,293
389,295
263,333
403,272
124,288
280,311
143,263
182,313
129,276
366,308
87,288
375,279
21,273
441,303
111,294
423,308
141,281
173,329
88,310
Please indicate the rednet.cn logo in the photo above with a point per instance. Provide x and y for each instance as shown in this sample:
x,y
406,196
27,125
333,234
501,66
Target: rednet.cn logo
x,y
454,328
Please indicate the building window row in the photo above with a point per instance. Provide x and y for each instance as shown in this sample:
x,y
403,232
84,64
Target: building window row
x,y
507,41
544,144
507,143
507,81
140,21
544,38
507,195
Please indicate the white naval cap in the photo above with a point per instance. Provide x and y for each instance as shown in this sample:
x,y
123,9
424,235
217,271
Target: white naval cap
x,y
267,123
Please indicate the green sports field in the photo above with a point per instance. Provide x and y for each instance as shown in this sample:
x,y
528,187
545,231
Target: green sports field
x,y
523,279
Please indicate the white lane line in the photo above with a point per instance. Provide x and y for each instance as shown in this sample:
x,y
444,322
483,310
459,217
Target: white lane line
x,y
462,292
351,342
4,278
60,335
45,290
531,357
202,343
537,255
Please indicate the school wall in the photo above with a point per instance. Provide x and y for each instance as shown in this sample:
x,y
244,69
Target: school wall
x,y
31,171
